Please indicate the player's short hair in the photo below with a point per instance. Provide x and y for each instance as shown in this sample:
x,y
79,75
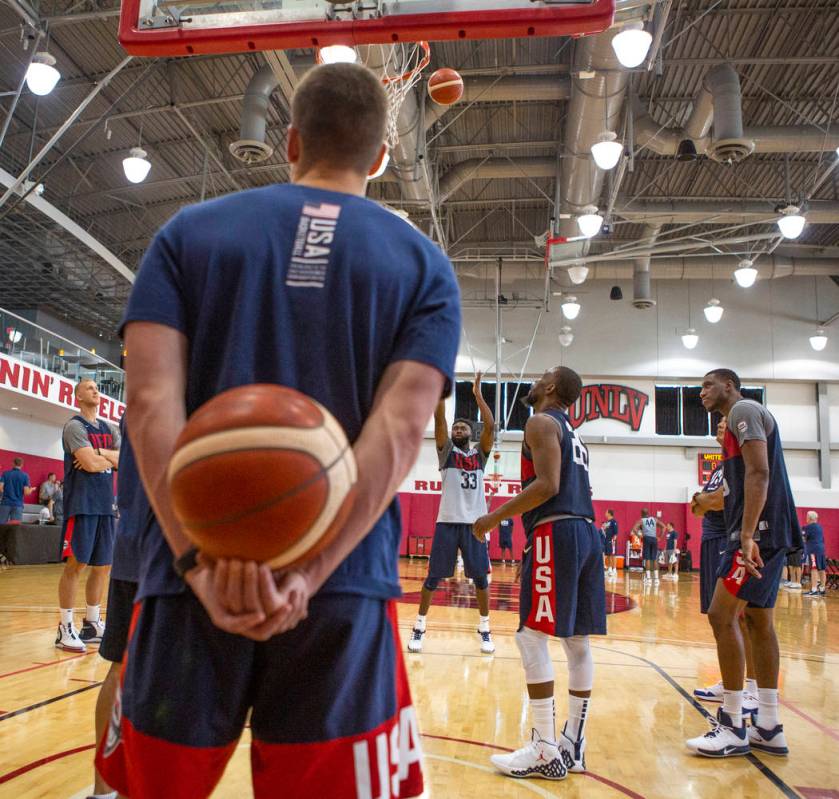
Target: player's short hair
x,y
811,514
467,422
340,111
726,374
18,461
645,512
610,511
51,474
81,383
569,385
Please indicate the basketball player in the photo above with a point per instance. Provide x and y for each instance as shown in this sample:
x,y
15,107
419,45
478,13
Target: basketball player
x,y
648,526
708,504
134,519
505,539
341,299
563,593
462,501
13,485
762,527
671,553
610,530
91,453
814,550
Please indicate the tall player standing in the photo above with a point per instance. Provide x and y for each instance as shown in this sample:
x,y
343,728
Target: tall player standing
x,y
563,593
648,527
341,299
762,528
462,501
91,454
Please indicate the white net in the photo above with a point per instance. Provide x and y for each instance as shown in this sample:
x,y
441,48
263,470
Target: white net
x,y
400,66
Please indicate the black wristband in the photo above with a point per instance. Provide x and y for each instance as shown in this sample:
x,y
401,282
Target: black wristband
x,y
186,562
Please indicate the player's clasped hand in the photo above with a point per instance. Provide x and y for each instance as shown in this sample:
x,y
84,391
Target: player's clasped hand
x,y
246,598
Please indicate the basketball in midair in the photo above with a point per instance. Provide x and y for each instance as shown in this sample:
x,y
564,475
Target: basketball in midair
x,y
264,473
445,86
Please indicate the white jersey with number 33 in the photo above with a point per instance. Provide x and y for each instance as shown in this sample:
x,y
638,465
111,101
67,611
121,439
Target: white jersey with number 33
x,y
462,477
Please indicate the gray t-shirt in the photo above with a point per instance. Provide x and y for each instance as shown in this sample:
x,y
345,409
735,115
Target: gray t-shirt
x,y
750,421
47,490
75,436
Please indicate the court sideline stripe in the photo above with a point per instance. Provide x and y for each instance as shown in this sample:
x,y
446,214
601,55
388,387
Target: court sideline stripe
x,y
43,762
21,711
817,724
751,758
49,663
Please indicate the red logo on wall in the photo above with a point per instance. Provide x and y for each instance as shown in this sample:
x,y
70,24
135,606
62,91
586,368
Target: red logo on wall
x,y
608,401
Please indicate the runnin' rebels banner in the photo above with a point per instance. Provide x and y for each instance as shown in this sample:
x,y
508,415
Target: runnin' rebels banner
x,y
31,381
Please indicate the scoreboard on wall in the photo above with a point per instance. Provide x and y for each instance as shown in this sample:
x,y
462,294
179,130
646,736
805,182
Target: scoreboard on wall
x,y
708,461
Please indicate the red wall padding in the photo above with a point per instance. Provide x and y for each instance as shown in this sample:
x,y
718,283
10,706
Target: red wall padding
x,y
419,512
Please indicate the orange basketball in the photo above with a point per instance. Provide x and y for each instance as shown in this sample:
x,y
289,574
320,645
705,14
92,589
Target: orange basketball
x,y
262,472
445,86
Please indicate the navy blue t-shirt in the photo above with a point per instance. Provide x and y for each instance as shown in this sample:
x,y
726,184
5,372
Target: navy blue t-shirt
x,y
134,514
611,530
777,526
317,290
574,496
672,538
813,538
14,481
713,522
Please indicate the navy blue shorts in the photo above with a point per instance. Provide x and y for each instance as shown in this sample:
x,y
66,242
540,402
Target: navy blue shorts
x,y
817,560
611,546
795,558
650,548
90,539
121,595
330,708
448,538
505,537
563,592
710,557
758,593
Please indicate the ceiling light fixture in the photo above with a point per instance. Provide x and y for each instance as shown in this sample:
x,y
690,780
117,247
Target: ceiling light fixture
x,y
565,336
136,166
745,274
570,307
631,46
578,273
818,341
690,339
337,54
713,311
589,221
41,75
791,223
606,151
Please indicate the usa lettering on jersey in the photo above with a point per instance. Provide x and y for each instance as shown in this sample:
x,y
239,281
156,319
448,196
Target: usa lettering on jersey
x,y
390,756
312,245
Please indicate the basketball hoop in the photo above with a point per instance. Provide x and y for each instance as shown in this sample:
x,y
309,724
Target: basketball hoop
x,y
400,66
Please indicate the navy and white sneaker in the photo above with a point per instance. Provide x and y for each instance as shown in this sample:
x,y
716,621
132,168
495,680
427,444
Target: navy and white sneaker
x,y
92,631
750,704
574,752
537,758
771,741
415,644
713,693
68,639
487,644
722,740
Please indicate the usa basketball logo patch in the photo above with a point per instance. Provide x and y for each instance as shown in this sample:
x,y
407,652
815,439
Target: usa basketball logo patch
x,y
742,426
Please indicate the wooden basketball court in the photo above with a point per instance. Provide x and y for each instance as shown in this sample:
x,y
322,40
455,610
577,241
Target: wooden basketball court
x,y
471,706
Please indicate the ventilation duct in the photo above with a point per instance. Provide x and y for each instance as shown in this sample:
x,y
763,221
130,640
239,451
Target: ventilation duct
x,y
642,297
251,147
728,144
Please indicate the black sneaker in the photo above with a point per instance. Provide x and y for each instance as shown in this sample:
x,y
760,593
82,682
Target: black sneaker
x,y
92,631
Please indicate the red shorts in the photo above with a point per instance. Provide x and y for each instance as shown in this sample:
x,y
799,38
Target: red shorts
x,y
329,702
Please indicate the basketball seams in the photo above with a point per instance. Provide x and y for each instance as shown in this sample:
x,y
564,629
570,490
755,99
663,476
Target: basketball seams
x,y
309,440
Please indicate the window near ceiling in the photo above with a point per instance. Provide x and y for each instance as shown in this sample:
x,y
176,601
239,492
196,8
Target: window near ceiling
x,y
512,393
679,411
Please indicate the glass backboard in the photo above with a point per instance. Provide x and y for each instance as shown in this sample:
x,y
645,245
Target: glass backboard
x,y
188,27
